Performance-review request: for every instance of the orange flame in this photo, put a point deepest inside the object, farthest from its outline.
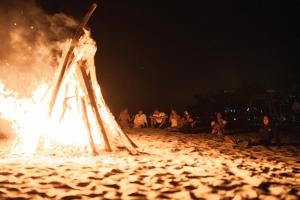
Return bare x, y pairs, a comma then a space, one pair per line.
36, 130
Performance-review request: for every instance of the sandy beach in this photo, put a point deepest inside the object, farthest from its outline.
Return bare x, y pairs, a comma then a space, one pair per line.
169, 165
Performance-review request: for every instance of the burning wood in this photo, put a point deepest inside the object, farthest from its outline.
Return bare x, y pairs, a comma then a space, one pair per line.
92, 98
69, 56
73, 111
86, 121
86, 86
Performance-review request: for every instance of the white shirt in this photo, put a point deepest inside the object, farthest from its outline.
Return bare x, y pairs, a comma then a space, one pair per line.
174, 122
140, 119
159, 117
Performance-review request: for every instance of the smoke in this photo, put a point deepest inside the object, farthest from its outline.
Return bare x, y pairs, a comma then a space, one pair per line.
31, 44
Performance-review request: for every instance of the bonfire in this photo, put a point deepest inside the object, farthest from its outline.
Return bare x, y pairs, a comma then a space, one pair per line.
69, 112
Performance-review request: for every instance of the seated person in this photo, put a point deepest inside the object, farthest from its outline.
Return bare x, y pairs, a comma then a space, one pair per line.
175, 120
124, 119
265, 136
266, 132
218, 126
158, 119
140, 120
187, 120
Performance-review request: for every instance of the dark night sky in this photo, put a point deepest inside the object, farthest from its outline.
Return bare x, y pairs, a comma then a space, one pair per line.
161, 53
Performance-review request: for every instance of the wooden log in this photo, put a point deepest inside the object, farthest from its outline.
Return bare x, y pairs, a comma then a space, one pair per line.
129, 140
92, 98
69, 57
77, 98
65, 104
87, 124
88, 79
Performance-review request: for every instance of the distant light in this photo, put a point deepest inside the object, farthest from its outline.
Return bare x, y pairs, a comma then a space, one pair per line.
248, 109
15, 24
234, 119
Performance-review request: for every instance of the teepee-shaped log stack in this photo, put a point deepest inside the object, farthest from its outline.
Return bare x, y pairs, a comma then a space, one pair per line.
86, 78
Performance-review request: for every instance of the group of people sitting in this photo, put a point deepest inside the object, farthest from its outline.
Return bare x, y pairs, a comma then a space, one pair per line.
160, 119
174, 121
157, 120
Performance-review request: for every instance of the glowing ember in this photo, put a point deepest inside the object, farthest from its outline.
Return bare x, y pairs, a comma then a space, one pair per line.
72, 122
